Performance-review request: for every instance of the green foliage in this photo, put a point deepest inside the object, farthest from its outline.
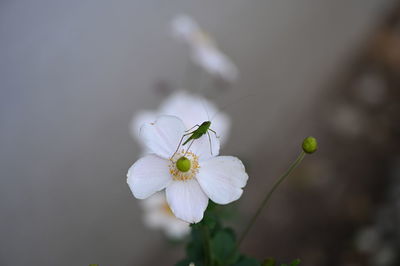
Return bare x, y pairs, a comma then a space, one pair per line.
223, 247
269, 262
272, 262
295, 262
212, 244
245, 261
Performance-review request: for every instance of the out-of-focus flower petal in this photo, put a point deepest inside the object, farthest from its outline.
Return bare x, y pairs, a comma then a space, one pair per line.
194, 110
184, 27
215, 62
157, 215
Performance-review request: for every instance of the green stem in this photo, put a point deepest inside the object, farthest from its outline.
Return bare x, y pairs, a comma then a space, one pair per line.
268, 196
206, 246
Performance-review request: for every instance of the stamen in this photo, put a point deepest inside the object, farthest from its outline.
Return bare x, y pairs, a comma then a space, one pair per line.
184, 166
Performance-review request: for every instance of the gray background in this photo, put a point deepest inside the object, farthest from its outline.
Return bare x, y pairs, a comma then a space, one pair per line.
74, 72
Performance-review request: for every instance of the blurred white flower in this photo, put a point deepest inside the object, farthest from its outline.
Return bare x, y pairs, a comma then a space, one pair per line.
158, 215
368, 240
371, 88
206, 175
348, 121
190, 108
204, 51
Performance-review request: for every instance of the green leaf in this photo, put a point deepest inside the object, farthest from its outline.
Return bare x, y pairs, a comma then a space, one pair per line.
295, 262
194, 249
223, 247
247, 262
269, 262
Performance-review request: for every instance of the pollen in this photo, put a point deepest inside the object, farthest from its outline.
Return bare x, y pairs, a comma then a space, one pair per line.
184, 166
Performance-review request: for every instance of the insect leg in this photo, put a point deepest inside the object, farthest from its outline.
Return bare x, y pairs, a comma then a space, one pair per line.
197, 125
180, 142
209, 139
215, 133
190, 145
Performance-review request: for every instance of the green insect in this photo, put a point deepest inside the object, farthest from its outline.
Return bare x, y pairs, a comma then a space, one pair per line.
201, 130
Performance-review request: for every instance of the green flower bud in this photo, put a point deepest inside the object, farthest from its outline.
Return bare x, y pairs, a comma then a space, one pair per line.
310, 145
183, 164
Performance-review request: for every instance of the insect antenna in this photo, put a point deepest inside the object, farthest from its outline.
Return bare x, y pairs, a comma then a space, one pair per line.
205, 108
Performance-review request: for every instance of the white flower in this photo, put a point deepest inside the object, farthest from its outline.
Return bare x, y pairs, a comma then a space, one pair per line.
158, 215
205, 52
220, 178
191, 109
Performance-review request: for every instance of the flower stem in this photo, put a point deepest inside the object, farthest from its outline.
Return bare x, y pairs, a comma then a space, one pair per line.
206, 246
269, 194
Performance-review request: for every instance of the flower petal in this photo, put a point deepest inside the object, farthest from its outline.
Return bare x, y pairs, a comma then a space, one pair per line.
148, 175
222, 178
215, 62
176, 229
193, 109
162, 137
205, 147
139, 119
221, 124
187, 200
184, 27
190, 108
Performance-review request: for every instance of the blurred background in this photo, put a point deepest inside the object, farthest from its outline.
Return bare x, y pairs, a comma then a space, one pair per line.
73, 73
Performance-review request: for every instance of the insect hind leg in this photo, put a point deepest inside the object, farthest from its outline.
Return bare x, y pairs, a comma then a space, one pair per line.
213, 131
197, 125
190, 145
209, 139
179, 145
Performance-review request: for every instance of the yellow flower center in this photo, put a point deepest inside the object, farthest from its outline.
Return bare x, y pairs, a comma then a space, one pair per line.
184, 166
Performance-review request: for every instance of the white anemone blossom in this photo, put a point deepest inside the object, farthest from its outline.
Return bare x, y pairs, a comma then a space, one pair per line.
189, 176
158, 215
204, 51
192, 109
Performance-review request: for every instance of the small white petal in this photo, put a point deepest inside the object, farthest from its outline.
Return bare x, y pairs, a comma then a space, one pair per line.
187, 200
222, 178
148, 175
162, 137
184, 27
205, 147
